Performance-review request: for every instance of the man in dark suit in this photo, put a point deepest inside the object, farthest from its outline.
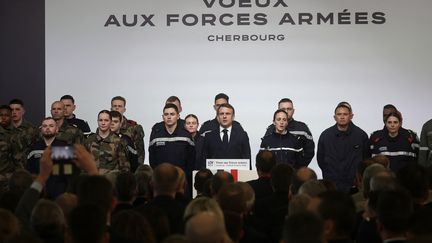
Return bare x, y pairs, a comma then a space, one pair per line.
264, 163
227, 142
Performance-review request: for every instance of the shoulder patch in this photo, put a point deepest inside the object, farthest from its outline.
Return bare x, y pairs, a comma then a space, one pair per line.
376, 139
410, 138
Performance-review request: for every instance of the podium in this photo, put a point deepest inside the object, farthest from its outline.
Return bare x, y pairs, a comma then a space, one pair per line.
239, 169
228, 164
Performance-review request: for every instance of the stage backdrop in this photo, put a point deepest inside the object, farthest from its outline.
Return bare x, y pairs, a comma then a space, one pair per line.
317, 53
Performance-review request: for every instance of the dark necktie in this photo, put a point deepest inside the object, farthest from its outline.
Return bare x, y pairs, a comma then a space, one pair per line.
225, 137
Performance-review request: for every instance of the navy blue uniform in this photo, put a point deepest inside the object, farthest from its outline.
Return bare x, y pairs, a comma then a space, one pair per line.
176, 148
340, 152
301, 131
286, 148
36, 152
401, 150
132, 152
238, 145
79, 123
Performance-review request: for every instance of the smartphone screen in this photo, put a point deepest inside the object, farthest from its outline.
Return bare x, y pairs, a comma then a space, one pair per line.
62, 153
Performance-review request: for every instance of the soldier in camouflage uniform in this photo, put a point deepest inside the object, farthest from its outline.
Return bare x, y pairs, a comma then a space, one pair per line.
116, 121
7, 147
66, 133
129, 127
108, 149
26, 133
425, 154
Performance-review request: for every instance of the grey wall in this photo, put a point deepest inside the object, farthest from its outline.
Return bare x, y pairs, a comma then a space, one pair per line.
22, 55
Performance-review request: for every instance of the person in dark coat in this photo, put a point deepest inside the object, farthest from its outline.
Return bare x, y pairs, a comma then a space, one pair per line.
227, 142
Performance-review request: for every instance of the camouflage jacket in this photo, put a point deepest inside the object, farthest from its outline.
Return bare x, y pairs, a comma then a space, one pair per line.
25, 135
136, 133
70, 134
425, 154
109, 153
8, 147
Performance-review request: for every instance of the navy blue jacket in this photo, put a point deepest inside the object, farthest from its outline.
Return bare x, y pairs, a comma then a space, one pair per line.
287, 148
36, 152
79, 123
339, 154
401, 150
302, 132
176, 148
132, 152
238, 146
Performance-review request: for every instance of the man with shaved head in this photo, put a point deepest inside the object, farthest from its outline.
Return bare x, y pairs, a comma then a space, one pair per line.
66, 132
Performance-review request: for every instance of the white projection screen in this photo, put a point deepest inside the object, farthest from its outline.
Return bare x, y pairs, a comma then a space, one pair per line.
316, 52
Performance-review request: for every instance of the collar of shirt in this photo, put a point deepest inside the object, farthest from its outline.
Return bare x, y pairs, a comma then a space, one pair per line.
221, 133
174, 132
107, 139
339, 133
280, 134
